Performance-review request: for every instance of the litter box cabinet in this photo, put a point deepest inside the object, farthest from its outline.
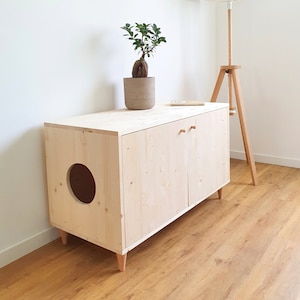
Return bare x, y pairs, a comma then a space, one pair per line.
115, 178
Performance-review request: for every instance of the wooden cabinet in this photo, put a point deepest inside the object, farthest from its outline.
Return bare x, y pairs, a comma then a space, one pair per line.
116, 178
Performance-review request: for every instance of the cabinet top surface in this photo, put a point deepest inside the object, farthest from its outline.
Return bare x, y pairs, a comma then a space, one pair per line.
124, 121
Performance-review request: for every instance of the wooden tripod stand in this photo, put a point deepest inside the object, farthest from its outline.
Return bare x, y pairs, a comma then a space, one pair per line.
233, 79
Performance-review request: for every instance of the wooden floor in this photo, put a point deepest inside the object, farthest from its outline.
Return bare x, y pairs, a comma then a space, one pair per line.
246, 246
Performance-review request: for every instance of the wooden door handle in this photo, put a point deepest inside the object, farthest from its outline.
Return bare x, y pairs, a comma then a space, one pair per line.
193, 127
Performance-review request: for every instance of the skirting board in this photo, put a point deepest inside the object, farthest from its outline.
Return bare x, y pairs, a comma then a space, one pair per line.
268, 159
28, 245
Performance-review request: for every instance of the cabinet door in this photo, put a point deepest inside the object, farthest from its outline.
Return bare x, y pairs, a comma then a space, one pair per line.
154, 178
209, 155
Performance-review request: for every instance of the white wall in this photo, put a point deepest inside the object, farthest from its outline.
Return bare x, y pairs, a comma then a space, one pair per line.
68, 57
266, 44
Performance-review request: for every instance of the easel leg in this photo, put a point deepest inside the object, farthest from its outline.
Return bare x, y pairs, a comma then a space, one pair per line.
230, 94
218, 86
240, 108
121, 261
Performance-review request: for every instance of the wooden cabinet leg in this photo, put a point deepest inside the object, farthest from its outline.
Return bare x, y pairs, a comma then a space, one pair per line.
220, 193
63, 236
121, 261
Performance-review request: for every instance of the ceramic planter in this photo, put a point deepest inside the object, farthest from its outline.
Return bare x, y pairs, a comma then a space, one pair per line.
139, 92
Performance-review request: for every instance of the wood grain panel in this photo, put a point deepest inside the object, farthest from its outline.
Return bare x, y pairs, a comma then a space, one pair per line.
155, 178
100, 221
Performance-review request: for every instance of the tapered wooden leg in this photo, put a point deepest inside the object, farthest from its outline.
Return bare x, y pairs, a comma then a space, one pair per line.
241, 114
63, 236
121, 261
220, 193
232, 109
218, 85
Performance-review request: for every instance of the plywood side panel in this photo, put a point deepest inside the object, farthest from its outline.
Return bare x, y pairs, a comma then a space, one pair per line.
100, 221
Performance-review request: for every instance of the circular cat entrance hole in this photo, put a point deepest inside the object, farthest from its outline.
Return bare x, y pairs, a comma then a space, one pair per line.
82, 183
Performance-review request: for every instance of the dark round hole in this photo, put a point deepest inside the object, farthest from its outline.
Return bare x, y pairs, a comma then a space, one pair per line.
82, 183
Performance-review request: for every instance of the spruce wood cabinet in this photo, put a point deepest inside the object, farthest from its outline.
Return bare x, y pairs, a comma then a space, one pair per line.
115, 178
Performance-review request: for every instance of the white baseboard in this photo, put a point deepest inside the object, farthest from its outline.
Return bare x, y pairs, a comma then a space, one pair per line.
268, 159
26, 246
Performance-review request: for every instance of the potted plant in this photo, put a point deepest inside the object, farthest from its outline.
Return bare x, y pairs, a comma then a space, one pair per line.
139, 90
